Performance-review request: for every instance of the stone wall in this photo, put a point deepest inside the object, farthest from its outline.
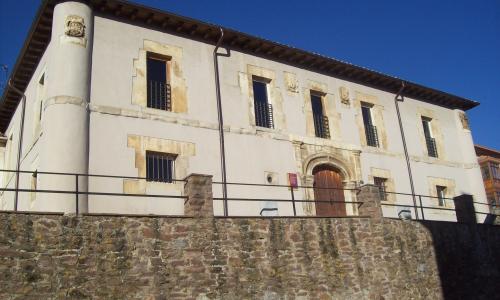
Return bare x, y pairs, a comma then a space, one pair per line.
110, 257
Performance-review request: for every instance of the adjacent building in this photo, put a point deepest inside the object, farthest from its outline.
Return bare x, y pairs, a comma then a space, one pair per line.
121, 89
489, 161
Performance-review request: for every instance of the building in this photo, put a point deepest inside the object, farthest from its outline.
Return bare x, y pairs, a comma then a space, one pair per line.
489, 161
121, 89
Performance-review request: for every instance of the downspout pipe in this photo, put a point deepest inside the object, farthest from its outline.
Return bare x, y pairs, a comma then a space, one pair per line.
221, 123
400, 98
20, 142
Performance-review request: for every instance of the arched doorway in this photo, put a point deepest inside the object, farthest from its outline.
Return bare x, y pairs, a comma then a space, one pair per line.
328, 189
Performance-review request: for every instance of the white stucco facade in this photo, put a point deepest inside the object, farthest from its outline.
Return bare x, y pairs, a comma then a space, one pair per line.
92, 122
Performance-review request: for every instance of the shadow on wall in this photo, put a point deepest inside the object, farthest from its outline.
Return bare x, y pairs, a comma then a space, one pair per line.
465, 253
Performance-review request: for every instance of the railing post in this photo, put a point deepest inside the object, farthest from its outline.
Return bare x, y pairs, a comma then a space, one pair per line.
293, 201
370, 196
76, 194
199, 201
421, 206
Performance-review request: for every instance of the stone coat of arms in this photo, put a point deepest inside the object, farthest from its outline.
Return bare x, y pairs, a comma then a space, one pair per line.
74, 26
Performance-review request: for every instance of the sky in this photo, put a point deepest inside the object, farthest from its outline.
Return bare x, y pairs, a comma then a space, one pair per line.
453, 46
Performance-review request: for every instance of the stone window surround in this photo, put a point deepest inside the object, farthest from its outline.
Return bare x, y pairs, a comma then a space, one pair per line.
436, 133
433, 182
389, 181
377, 118
177, 81
329, 109
142, 144
274, 96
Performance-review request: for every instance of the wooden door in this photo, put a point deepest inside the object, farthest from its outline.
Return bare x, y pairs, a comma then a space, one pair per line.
325, 178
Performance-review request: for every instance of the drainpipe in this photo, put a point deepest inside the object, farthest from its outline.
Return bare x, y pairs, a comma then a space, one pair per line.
20, 143
400, 98
221, 123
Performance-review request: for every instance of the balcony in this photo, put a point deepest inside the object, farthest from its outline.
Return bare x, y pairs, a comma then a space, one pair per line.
321, 126
159, 95
431, 147
371, 135
264, 115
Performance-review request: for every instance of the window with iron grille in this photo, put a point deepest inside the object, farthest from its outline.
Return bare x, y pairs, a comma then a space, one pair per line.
381, 183
263, 109
441, 194
158, 83
370, 129
429, 140
159, 166
321, 126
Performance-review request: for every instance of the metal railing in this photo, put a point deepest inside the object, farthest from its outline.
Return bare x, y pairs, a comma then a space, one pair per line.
264, 114
77, 192
371, 135
321, 126
159, 95
427, 207
424, 209
431, 146
293, 192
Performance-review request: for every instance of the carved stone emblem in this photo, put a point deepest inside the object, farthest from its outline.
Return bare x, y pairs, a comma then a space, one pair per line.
344, 95
74, 26
292, 84
465, 120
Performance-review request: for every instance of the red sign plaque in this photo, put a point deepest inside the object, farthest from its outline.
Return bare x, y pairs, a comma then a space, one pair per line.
292, 180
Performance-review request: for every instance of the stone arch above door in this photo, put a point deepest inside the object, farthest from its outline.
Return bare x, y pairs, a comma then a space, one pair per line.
346, 161
326, 159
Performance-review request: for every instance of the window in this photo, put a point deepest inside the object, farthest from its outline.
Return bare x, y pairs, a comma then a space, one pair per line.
429, 140
441, 194
495, 171
263, 109
370, 130
41, 86
381, 183
158, 82
321, 127
485, 171
159, 166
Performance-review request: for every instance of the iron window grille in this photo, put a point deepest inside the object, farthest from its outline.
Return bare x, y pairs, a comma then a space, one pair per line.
159, 167
380, 183
371, 135
264, 114
431, 147
441, 194
159, 95
321, 126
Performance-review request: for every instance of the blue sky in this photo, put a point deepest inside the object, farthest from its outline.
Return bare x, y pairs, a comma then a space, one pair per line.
453, 46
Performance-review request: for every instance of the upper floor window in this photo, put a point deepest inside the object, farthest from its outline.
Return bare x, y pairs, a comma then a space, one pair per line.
381, 183
159, 166
485, 171
370, 129
441, 194
321, 126
41, 94
495, 171
263, 109
158, 82
429, 139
